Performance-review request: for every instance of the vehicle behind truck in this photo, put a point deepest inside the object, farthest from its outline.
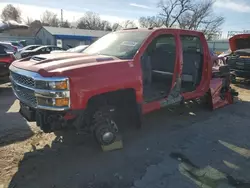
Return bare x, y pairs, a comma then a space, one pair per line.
6, 58
238, 57
8, 52
121, 76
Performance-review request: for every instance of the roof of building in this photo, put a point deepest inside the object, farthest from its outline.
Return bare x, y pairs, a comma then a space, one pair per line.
74, 31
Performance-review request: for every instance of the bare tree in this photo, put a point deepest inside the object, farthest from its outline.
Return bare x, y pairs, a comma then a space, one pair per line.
171, 10
151, 21
93, 21
201, 17
28, 21
116, 27
50, 19
65, 24
106, 26
11, 13
193, 15
127, 24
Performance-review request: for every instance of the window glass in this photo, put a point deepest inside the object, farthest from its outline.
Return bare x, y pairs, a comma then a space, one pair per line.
162, 53
191, 44
42, 50
48, 49
122, 44
166, 43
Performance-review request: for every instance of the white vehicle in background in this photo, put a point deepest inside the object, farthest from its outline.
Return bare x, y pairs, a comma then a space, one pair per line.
9, 48
77, 49
30, 47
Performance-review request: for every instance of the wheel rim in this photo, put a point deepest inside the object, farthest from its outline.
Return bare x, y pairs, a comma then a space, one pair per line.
108, 137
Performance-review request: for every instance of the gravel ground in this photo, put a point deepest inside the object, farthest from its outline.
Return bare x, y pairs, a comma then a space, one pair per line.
188, 147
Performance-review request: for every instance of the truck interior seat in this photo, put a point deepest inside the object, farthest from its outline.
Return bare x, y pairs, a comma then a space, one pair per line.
192, 63
163, 62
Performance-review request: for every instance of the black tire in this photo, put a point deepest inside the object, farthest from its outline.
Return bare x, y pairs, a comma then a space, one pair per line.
104, 125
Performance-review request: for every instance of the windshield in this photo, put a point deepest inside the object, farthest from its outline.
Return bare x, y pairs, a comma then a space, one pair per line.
123, 44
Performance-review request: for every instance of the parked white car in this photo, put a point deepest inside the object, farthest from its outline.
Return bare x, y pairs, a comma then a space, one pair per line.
77, 49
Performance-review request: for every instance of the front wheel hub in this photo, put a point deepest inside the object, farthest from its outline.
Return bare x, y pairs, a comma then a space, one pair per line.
106, 132
108, 137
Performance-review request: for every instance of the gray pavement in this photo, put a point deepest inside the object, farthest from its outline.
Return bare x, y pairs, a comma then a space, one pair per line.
189, 147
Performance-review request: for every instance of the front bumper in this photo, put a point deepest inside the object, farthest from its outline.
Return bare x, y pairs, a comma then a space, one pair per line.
240, 73
32, 108
50, 121
27, 112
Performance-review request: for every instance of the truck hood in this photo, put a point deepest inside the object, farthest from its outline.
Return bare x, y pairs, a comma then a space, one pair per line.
239, 42
59, 62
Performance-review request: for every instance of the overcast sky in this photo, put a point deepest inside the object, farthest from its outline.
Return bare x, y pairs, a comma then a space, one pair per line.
236, 12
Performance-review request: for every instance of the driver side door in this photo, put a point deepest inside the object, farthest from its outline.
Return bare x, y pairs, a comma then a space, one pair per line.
165, 59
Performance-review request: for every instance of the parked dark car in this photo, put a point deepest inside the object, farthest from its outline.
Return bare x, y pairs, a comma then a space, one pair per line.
7, 55
39, 50
6, 58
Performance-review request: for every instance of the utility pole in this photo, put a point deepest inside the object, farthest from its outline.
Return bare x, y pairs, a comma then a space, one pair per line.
61, 16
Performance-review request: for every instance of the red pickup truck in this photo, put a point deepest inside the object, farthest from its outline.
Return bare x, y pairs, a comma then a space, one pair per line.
124, 74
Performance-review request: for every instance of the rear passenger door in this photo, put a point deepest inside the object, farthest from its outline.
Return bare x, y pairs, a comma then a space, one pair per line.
192, 62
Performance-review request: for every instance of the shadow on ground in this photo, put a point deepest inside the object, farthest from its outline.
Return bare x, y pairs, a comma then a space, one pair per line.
208, 176
77, 161
13, 127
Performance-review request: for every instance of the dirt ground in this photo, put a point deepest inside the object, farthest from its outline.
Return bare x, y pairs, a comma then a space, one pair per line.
185, 147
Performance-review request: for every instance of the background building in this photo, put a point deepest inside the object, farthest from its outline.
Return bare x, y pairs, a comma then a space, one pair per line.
67, 36
219, 46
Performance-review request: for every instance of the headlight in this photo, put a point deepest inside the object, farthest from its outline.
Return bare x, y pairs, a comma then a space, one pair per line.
53, 93
61, 85
53, 102
52, 85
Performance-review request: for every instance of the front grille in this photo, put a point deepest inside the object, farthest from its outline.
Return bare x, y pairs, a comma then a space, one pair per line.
21, 79
25, 95
239, 63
